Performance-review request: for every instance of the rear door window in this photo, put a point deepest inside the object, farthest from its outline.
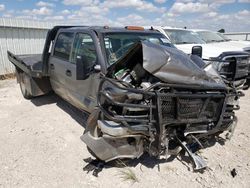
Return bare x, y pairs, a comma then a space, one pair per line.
63, 45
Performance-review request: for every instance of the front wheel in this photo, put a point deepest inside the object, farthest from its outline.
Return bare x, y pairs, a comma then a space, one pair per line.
93, 129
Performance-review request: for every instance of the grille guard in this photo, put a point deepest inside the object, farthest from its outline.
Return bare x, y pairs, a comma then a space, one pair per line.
154, 108
237, 68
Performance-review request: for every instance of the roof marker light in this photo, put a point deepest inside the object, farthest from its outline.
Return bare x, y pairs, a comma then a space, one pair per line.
134, 28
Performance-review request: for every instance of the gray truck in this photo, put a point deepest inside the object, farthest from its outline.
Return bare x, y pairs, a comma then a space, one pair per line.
142, 94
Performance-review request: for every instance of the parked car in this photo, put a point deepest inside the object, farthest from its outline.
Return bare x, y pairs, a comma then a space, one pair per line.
143, 95
227, 58
222, 40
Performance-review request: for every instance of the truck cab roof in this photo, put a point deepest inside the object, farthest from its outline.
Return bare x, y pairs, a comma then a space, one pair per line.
107, 29
101, 35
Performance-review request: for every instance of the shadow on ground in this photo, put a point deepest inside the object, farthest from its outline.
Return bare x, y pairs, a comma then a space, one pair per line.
97, 166
79, 116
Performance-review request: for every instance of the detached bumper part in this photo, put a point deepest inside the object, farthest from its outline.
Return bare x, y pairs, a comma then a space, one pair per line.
198, 161
112, 128
107, 150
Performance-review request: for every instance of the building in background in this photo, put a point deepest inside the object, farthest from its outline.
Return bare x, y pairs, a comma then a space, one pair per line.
20, 37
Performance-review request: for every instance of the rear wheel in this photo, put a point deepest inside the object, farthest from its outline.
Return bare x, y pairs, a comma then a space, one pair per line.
22, 77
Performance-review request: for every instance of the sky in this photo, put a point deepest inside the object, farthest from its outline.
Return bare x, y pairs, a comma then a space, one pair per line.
232, 15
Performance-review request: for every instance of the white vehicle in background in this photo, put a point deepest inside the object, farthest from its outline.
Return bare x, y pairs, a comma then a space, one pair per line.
225, 57
222, 40
184, 40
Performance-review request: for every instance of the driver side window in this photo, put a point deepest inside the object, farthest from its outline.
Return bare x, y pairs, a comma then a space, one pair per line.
84, 47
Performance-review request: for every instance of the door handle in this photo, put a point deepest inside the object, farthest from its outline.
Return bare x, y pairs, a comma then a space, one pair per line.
68, 73
52, 66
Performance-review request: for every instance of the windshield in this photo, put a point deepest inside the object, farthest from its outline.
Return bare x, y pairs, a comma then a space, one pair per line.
117, 44
183, 37
223, 36
209, 36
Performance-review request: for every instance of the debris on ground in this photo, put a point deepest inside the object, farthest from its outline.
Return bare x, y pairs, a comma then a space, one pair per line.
233, 172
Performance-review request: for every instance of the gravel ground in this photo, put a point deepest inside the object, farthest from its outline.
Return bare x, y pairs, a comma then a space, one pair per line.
40, 147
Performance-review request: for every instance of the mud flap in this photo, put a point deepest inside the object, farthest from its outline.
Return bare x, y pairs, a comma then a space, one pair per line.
198, 161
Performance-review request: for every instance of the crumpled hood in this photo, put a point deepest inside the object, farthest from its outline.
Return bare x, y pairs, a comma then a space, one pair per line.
170, 65
210, 49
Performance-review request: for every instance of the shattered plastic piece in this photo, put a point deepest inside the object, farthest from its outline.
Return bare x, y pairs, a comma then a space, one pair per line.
233, 172
199, 162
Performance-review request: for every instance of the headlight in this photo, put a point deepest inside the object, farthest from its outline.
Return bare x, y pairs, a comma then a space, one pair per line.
217, 65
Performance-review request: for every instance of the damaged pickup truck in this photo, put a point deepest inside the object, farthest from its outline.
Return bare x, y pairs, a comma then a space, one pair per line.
143, 95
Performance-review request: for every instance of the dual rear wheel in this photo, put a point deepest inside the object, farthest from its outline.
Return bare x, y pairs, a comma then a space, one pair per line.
23, 84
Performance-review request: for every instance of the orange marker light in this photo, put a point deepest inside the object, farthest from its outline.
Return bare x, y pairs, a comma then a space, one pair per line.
134, 28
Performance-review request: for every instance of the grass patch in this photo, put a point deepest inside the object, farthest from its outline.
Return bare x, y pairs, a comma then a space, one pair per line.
126, 174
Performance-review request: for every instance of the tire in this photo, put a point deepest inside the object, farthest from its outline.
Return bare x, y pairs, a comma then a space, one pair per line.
26, 94
93, 129
92, 123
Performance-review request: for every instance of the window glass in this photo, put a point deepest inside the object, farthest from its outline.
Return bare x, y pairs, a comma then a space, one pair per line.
209, 36
84, 47
223, 36
183, 37
117, 44
63, 45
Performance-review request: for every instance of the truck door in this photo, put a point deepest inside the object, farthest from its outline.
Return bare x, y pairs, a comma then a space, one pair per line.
58, 62
82, 93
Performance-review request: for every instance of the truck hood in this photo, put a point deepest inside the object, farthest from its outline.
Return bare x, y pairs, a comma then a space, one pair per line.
210, 49
234, 45
245, 45
168, 64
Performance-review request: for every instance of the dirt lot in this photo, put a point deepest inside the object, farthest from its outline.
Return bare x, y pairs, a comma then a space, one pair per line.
40, 147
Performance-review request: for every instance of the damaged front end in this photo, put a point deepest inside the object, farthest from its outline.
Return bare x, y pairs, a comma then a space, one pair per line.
157, 100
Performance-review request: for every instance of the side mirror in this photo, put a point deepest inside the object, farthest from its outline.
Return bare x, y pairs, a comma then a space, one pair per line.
81, 69
197, 50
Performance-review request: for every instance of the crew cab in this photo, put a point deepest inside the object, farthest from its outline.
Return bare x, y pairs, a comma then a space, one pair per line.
143, 94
